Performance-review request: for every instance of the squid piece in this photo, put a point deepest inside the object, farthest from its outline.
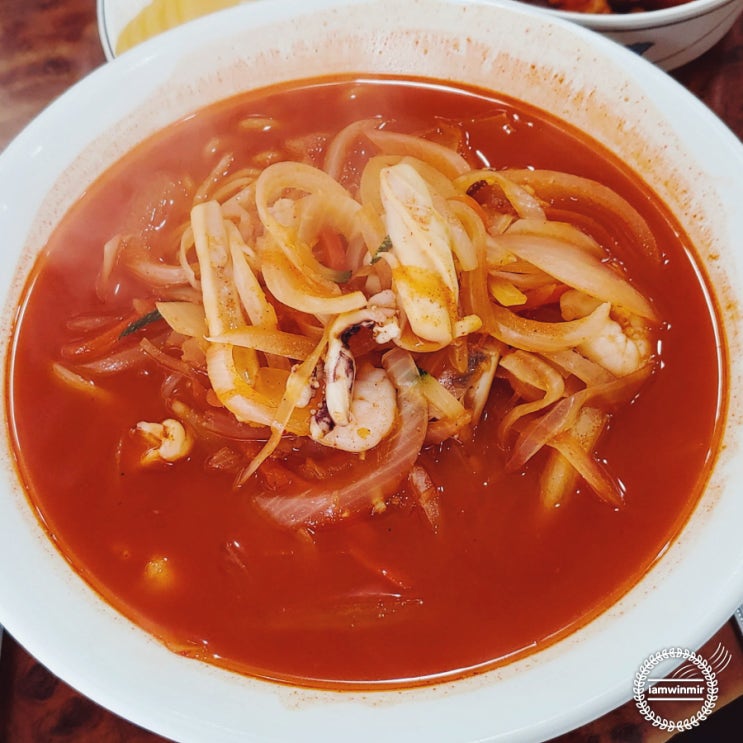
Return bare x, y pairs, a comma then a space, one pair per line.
340, 367
222, 305
359, 409
423, 270
223, 310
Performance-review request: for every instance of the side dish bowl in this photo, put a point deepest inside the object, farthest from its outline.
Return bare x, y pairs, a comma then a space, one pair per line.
662, 133
125, 23
669, 37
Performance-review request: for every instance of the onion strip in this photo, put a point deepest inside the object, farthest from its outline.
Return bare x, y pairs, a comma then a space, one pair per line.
545, 337
557, 187
444, 159
559, 476
575, 267
268, 340
602, 483
525, 204
540, 375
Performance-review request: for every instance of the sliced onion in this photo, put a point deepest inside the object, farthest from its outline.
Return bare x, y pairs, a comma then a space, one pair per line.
426, 494
372, 229
90, 323
369, 182
165, 359
339, 210
77, 381
185, 246
240, 398
470, 244
442, 403
297, 383
560, 418
219, 295
538, 374
473, 290
523, 202
523, 276
401, 368
218, 422
444, 159
358, 610
269, 340
558, 478
217, 173
541, 430
111, 250
185, 318
180, 294
575, 267
487, 356
589, 372
597, 476
233, 184
114, 363
295, 289
242, 201
496, 254
105, 341
156, 273
609, 395
556, 230
337, 150
563, 188
546, 337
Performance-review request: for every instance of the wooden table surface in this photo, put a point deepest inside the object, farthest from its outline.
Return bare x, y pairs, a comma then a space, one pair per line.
45, 47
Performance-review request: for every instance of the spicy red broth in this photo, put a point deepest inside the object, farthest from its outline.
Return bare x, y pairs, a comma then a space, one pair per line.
387, 595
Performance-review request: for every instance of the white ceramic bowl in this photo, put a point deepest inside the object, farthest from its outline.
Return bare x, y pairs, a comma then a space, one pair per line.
670, 37
676, 144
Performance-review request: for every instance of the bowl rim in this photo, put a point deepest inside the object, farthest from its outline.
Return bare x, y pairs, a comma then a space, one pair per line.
104, 32
647, 20
70, 653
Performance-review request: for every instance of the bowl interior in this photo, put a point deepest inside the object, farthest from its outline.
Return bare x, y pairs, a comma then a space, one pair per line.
579, 77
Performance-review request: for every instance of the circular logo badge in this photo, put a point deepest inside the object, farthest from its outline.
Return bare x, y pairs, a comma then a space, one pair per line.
694, 681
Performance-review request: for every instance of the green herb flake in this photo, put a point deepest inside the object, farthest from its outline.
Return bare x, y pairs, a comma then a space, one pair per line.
141, 322
384, 247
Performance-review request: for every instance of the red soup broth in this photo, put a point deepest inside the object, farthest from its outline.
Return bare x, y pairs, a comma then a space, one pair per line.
383, 598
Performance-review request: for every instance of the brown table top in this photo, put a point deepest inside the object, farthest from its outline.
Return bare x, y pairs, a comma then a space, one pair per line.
45, 47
